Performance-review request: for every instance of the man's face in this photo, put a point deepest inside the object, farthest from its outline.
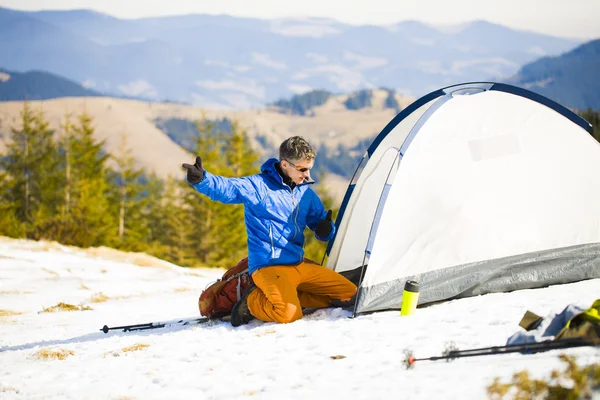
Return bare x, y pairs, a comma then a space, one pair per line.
297, 170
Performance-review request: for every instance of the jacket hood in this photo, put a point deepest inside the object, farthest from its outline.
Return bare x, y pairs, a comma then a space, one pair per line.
268, 168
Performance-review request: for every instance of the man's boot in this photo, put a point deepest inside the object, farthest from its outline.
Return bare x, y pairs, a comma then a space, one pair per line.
240, 313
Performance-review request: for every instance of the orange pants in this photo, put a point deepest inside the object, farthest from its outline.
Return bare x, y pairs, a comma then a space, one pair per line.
283, 290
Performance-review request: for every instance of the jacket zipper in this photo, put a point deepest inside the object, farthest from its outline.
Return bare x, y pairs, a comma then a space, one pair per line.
272, 241
296, 227
295, 217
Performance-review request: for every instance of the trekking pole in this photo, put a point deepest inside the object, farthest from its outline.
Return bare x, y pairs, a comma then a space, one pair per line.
156, 325
525, 348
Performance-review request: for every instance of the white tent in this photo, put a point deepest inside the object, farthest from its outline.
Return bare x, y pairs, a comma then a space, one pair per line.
472, 189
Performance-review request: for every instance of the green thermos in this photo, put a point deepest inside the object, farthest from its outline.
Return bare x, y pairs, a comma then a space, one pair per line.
410, 298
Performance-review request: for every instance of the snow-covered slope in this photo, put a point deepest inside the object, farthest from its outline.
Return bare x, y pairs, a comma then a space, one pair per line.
259, 360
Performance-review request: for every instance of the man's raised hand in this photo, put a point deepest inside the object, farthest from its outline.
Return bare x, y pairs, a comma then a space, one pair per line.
195, 173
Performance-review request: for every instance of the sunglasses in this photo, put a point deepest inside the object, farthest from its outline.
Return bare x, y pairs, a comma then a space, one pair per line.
299, 168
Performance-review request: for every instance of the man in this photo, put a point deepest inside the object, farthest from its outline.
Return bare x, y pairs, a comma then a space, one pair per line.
278, 205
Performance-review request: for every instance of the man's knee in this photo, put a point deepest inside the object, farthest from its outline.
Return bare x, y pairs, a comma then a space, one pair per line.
348, 291
286, 312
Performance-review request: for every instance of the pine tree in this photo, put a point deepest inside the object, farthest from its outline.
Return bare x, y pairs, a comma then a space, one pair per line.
127, 200
171, 234
31, 172
10, 225
59, 224
66, 149
593, 117
203, 211
15, 180
50, 176
89, 208
155, 212
228, 228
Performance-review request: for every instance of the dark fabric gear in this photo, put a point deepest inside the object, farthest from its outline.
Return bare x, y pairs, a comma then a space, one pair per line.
286, 179
195, 173
240, 314
344, 303
324, 226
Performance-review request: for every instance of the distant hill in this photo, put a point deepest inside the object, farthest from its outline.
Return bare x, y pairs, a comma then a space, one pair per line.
339, 148
303, 104
162, 135
38, 85
572, 79
218, 61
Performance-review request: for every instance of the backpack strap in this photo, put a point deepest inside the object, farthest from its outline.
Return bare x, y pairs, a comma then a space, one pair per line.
239, 283
237, 275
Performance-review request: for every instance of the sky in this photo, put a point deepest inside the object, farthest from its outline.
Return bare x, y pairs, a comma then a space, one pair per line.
573, 18
323, 353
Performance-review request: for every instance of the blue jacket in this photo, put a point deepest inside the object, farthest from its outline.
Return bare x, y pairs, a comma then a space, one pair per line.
275, 215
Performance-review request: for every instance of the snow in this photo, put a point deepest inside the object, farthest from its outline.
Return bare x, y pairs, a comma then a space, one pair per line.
258, 360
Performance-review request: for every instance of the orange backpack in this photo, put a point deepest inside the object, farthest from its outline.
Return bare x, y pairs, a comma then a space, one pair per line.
217, 300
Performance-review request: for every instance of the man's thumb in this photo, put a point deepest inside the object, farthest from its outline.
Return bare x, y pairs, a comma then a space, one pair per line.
328, 217
198, 164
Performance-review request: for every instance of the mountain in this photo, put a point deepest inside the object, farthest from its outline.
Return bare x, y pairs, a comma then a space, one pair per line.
39, 85
572, 79
229, 62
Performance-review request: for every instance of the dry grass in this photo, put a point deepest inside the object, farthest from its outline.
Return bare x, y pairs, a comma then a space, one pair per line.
83, 287
6, 389
183, 289
53, 246
129, 296
66, 307
99, 298
144, 260
139, 259
266, 332
10, 292
135, 347
337, 357
575, 381
47, 354
8, 313
50, 271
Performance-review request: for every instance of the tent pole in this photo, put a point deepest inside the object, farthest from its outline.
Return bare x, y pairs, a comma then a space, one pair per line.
362, 274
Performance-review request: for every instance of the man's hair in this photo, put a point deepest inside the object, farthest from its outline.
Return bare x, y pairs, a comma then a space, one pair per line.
296, 148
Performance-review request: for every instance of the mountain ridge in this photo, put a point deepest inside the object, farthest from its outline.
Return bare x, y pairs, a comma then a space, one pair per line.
39, 85
230, 62
571, 79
